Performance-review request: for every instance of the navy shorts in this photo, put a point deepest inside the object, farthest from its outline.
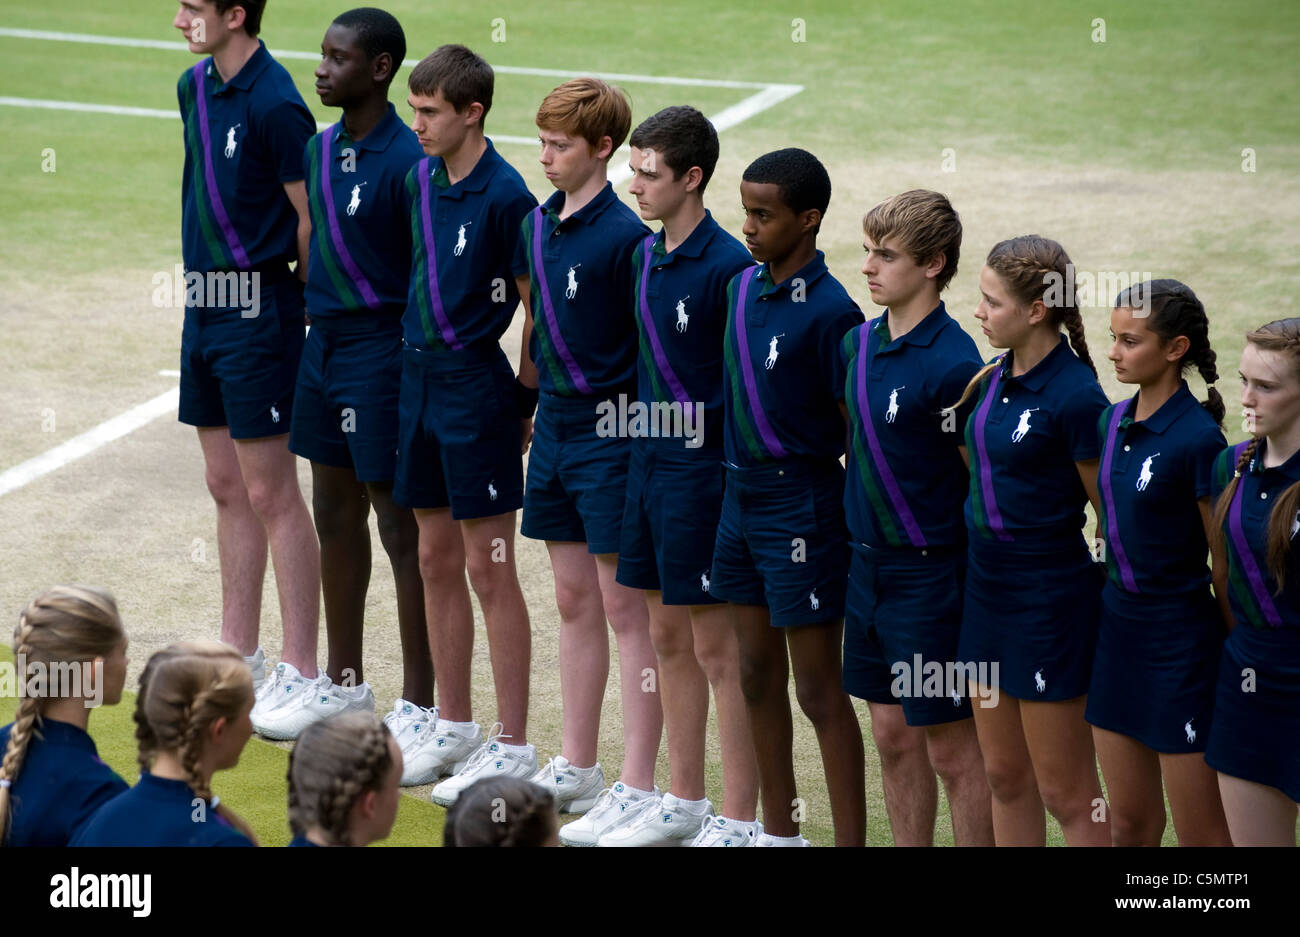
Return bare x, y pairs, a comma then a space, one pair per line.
902, 622
240, 372
670, 521
577, 480
1257, 708
1156, 667
1033, 615
345, 404
458, 433
782, 542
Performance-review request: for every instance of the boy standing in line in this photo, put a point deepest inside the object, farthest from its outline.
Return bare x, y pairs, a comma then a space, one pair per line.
782, 549
244, 212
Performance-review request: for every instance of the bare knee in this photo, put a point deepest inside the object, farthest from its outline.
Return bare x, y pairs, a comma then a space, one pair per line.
440, 562
226, 485
894, 738
1009, 781
488, 570
820, 700
671, 637
760, 675
1136, 827
577, 602
397, 530
338, 515
1066, 800
954, 756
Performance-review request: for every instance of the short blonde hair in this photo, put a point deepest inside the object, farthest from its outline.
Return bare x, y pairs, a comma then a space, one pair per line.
587, 108
925, 224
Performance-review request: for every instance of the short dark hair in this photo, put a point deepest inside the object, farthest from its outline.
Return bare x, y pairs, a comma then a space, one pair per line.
800, 176
253, 10
682, 137
377, 32
461, 75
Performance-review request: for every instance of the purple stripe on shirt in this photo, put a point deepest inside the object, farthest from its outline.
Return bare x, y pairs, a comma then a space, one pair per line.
986, 470
210, 176
877, 456
579, 379
1112, 525
1247, 556
431, 258
354, 272
747, 369
661, 359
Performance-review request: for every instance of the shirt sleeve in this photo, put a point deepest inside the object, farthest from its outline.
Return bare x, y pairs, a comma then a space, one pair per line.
510, 231
1221, 473
88, 796
1079, 418
835, 330
952, 385
1201, 459
286, 128
521, 260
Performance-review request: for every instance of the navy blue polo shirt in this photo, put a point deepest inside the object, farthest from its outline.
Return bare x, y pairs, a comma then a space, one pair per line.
159, 812
1024, 438
906, 479
785, 376
61, 785
301, 840
465, 252
359, 266
584, 339
1252, 589
682, 317
1152, 474
244, 140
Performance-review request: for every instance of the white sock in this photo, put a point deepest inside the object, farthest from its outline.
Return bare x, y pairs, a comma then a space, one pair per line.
516, 749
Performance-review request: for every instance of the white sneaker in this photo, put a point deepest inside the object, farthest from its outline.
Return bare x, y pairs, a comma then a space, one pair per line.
410, 725
438, 748
575, 789
492, 760
356, 698
766, 840
675, 823
720, 831
290, 703
257, 665
617, 806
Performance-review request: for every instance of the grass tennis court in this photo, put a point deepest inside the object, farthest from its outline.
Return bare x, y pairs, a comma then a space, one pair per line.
1168, 148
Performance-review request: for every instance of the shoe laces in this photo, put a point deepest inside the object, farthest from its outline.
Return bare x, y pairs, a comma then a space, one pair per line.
483, 754
397, 721
270, 685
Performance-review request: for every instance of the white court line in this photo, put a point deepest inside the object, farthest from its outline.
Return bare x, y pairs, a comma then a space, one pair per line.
409, 63
86, 443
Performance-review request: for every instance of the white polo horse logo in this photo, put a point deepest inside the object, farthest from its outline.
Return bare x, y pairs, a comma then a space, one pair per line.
1022, 428
230, 141
1144, 479
682, 317
772, 354
356, 199
892, 413
275, 415
1191, 733
704, 581
492, 491
1039, 683
814, 601
572, 291
956, 697
460, 239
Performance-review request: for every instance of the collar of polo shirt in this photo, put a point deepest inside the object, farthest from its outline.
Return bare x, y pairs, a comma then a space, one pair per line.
588, 213
378, 139
1164, 417
810, 273
1036, 378
922, 334
257, 63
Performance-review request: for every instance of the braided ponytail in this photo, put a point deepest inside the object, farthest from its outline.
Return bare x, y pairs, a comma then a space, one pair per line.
335, 762
64, 624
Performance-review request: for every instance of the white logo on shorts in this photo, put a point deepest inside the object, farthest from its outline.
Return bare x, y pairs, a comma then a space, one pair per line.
460, 239
813, 600
492, 492
1144, 479
704, 581
275, 415
230, 141
682, 317
1191, 733
572, 290
1022, 428
892, 413
1039, 683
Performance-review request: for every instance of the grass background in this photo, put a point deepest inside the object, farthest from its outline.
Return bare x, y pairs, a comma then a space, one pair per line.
1128, 151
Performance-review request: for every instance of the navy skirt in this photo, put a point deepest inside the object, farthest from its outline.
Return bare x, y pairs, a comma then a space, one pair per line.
1256, 730
1156, 668
1030, 617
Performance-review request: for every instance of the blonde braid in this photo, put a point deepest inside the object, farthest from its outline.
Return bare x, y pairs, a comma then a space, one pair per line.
20, 735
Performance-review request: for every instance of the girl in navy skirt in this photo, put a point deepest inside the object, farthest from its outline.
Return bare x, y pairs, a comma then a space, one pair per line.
51, 778
1029, 614
345, 778
1161, 633
192, 720
1255, 738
